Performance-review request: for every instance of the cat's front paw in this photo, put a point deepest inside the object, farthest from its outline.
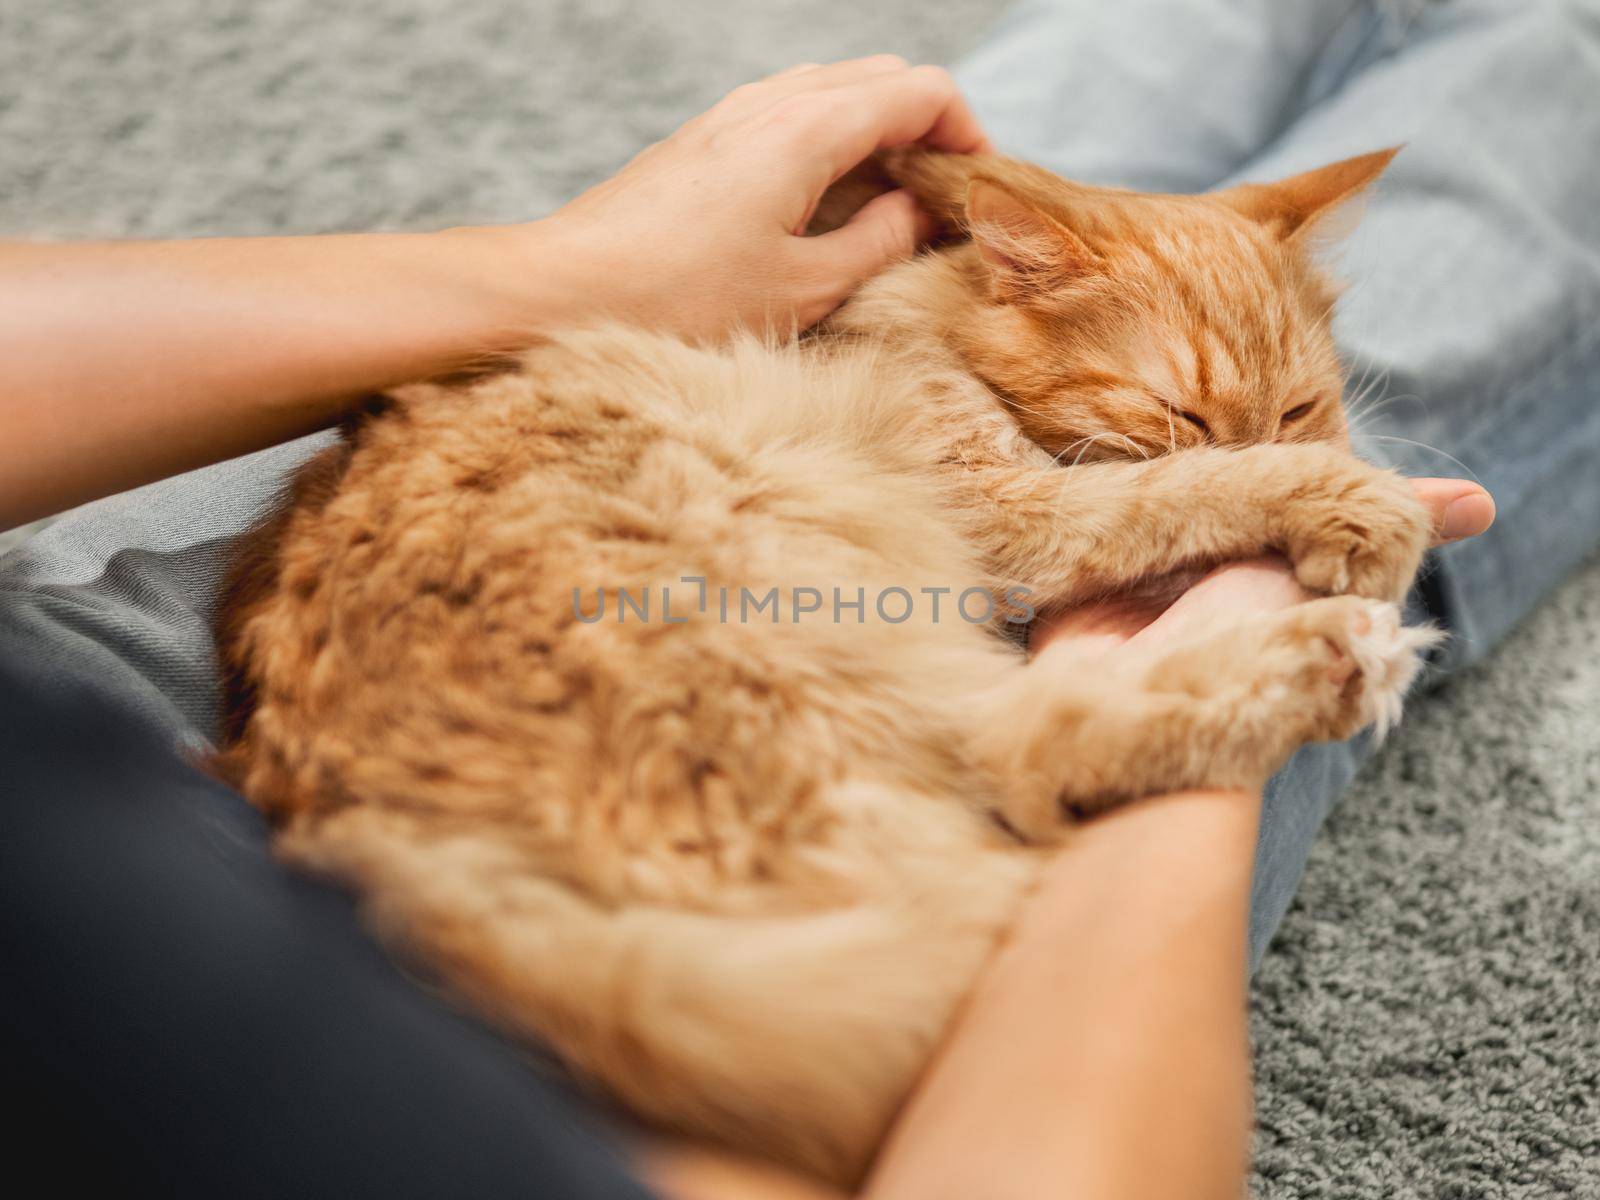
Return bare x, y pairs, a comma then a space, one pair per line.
1368, 657
1363, 533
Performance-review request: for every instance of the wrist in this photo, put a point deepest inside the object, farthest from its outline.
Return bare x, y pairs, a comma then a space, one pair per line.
1174, 853
525, 279
1200, 819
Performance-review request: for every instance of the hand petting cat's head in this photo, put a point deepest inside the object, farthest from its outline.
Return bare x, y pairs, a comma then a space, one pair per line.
1117, 324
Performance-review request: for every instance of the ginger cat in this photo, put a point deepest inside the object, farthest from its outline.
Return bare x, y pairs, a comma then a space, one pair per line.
740, 869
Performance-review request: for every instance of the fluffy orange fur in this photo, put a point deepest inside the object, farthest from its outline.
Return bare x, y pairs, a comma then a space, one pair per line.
740, 873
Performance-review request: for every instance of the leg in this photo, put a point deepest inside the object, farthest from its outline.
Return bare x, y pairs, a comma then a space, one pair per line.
124, 588
1070, 536
1222, 711
1165, 95
187, 1020
1477, 303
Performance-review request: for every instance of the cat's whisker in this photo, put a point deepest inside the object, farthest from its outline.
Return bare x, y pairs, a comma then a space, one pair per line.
1089, 442
1037, 410
1086, 443
1360, 420
1451, 458
1373, 386
1362, 380
1128, 444
1082, 452
1363, 414
1368, 399
1371, 379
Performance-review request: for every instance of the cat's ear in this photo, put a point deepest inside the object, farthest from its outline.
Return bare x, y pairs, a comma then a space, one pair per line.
1028, 252
1319, 199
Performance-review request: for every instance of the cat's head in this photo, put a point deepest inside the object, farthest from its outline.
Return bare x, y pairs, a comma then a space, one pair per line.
1117, 324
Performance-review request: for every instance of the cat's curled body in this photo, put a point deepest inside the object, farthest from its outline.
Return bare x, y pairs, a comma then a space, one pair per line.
741, 870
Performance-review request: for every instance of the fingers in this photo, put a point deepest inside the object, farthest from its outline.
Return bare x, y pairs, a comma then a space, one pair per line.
1460, 508
887, 229
814, 77
805, 77
1101, 626
895, 108
833, 116
1228, 593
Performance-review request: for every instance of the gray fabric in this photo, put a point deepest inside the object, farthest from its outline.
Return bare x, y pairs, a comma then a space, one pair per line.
124, 589
1427, 1021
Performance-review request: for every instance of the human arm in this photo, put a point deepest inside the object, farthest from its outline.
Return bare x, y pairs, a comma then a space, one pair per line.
1104, 1053
121, 363
1109, 1031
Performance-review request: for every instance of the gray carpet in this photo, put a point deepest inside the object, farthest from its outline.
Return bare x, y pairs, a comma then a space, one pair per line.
1427, 1023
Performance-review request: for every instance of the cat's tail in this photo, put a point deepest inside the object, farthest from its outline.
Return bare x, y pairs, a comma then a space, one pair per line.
794, 1036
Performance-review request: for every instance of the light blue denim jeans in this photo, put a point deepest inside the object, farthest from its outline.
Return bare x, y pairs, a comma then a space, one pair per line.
1477, 296
1473, 320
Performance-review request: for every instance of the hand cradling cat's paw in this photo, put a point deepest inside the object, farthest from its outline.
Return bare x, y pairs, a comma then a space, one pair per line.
1363, 533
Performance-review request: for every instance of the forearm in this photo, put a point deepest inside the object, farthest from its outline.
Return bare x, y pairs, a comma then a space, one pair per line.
1104, 1054
124, 362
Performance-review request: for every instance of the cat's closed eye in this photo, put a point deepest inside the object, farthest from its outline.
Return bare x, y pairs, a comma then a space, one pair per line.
1298, 411
1193, 418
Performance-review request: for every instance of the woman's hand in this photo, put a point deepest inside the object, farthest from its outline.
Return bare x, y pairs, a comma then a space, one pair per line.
700, 232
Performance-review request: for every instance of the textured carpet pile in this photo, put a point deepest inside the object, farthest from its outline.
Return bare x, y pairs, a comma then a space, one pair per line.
1428, 1023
